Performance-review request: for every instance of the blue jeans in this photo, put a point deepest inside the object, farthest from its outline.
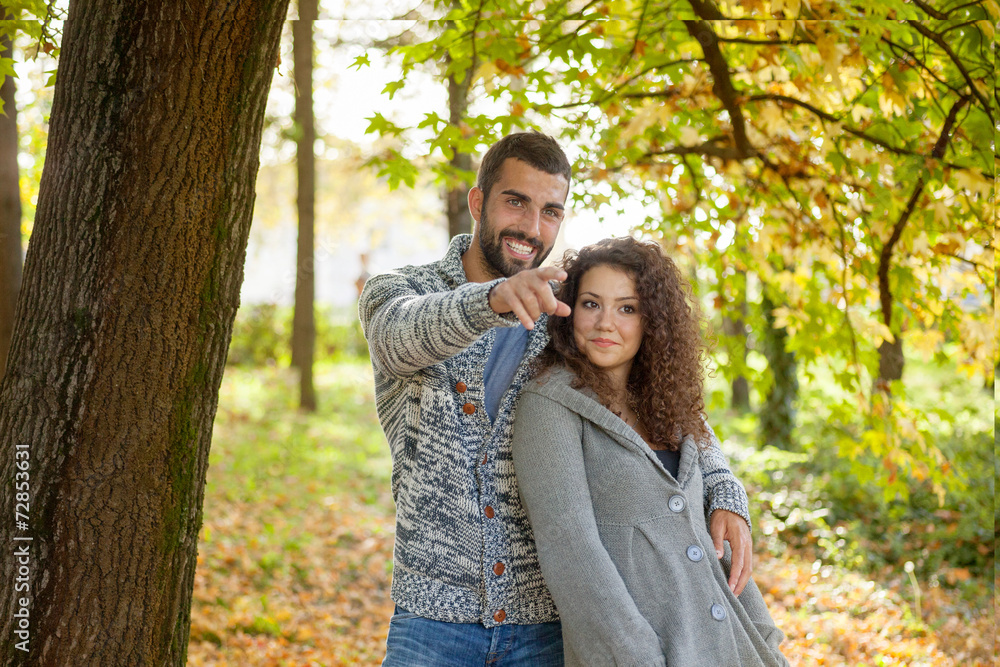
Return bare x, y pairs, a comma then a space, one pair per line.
415, 641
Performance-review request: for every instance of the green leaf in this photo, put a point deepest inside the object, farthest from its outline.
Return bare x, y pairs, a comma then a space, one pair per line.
393, 87
361, 61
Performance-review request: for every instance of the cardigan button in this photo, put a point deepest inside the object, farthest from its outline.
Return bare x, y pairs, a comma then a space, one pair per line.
499, 616
676, 503
485, 456
695, 553
498, 569
489, 512
460, 387
468, 408
718, 612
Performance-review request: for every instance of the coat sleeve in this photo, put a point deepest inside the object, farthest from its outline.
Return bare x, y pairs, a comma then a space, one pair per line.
599, 616
408, 331
722, 490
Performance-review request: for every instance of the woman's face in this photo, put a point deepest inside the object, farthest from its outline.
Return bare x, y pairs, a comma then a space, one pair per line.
607, 325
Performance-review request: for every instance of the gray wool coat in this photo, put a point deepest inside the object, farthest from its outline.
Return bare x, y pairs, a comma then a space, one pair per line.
624, 547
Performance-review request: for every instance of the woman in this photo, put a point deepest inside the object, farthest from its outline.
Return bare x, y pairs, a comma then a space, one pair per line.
607, 450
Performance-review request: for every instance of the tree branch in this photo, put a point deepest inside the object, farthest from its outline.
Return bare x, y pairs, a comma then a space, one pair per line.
765, 42
930, 10
722, 83
885, 257
850, 130
940, 41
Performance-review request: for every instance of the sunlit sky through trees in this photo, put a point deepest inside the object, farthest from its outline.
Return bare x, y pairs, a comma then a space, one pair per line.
393, 229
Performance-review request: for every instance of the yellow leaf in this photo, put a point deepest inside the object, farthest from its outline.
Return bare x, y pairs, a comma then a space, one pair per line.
487, 71
690, 136
870, 328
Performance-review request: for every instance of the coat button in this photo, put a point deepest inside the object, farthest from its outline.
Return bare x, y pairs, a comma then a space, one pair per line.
676, 503
460, 387
718, 612
468, 408
499, 616
498, 569
485, 456
489, 512
695, 553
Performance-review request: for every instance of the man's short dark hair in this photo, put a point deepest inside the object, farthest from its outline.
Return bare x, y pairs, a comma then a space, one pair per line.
534, 148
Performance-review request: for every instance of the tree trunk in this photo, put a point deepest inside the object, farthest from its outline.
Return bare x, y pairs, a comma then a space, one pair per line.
10, 211
304, 319
131, 283
736, 335
456, 199
890, 354
777, 416
459, 219
733, 292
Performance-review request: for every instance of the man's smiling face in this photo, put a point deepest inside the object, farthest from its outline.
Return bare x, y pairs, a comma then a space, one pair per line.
518, 224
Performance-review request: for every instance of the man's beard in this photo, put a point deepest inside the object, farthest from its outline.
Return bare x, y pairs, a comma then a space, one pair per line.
494, 261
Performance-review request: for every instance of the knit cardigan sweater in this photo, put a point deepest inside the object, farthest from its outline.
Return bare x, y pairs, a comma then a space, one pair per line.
464, 551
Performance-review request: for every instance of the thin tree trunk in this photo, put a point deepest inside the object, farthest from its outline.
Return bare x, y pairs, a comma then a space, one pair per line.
777, 415
10, 210
131, 283
459, 220
456, 199
890, 354
304, 319
735, 331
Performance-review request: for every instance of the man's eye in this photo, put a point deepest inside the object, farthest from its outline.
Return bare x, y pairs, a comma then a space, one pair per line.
514, 202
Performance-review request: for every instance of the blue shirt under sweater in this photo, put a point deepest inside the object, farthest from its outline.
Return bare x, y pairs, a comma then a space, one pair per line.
508, 349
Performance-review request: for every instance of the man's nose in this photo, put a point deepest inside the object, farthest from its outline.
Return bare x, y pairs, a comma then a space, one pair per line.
532, 222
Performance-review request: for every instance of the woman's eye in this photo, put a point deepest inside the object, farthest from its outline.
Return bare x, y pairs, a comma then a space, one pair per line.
628, 309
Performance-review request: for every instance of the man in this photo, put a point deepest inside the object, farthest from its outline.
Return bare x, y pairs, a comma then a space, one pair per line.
451, 344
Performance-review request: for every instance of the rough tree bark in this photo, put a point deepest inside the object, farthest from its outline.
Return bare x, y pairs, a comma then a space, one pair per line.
10, 210
304, 318
131, 284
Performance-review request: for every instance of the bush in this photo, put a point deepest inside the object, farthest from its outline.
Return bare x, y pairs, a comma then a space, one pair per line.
833, 506
262, 335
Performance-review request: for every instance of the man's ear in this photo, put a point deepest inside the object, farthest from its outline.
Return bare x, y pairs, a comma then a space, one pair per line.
476, 203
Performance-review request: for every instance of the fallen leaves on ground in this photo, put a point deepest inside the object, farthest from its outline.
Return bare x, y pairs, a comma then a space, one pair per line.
324, 601
294, 572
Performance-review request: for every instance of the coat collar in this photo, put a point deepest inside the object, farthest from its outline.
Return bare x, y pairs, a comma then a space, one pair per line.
556, 384
450, 267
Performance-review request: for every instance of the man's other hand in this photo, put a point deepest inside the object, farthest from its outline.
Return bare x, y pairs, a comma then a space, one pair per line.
726, 525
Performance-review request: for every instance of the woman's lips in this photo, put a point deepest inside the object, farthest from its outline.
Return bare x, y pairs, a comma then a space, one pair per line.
603, 342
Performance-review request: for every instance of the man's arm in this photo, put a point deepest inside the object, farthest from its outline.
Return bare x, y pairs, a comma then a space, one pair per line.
724, 492
408, 331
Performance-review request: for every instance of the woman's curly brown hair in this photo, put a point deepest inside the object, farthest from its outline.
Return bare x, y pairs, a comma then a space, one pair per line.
667, 378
